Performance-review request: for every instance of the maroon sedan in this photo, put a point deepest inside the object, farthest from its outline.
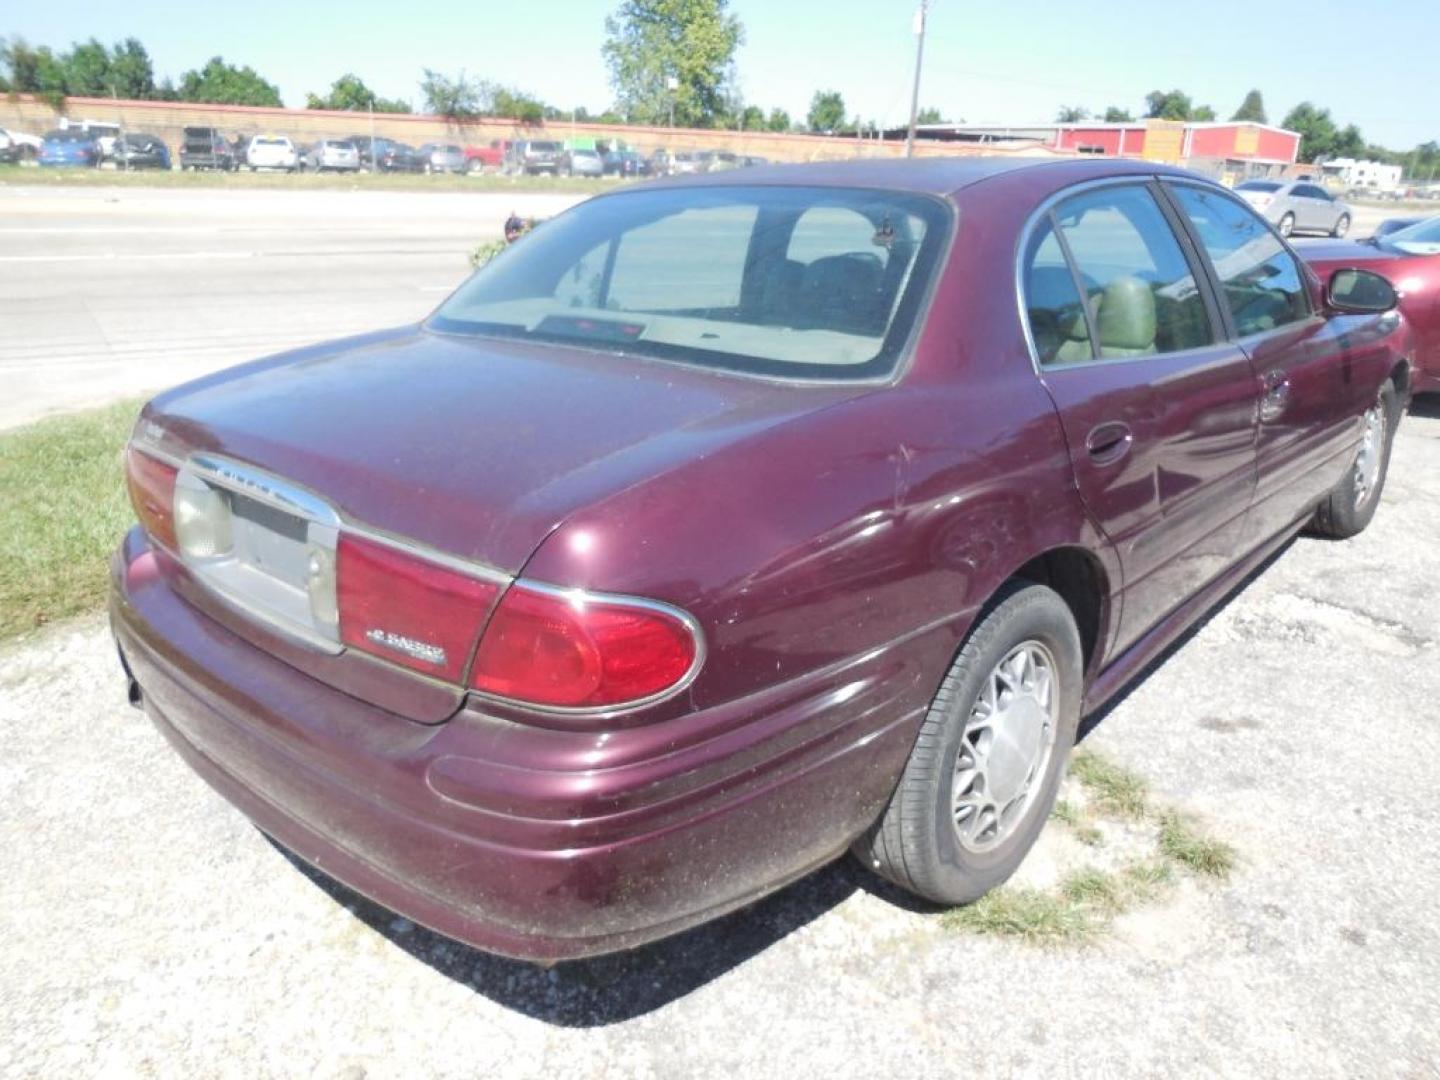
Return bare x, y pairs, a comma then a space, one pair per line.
724, 524
1410, 259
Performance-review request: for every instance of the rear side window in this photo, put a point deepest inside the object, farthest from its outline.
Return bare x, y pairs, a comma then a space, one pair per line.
1261, 281
1140, 289
1052, 302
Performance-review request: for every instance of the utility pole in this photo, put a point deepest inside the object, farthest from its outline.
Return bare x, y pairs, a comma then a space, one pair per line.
915, 92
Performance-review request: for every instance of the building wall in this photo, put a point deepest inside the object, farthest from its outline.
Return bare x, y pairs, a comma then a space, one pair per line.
166, 120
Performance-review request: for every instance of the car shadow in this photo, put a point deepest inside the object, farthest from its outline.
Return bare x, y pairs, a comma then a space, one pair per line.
622, 986
1426, 405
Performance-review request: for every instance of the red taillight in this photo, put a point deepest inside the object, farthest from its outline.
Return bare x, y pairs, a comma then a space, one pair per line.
408, 610
152, 493
574, 651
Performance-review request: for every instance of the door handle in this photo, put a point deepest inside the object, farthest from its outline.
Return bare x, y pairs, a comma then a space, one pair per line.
1276, 396
1109, 442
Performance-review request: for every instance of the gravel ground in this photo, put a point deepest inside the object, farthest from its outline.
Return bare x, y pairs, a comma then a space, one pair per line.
148, 930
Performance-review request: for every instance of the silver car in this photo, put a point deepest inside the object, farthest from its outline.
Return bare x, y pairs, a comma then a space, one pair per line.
441, 158
1294, 206
584, 163
341, 155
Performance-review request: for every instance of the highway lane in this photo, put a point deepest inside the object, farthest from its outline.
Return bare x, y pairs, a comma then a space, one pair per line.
106, 294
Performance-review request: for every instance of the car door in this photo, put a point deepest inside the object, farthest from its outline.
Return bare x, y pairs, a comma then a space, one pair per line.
1311, 400
1159, 410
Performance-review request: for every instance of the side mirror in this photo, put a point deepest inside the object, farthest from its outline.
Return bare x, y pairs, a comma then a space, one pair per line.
1360, 292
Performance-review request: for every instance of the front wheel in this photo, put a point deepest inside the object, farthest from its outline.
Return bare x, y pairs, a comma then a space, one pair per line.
1347, 510
1287, 224
1342, 226
985, 768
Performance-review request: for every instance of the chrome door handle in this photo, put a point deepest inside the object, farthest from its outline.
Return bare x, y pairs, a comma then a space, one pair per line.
1276, 396
1109, 442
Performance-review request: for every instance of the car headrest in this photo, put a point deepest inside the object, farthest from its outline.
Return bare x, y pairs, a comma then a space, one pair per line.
1126, 319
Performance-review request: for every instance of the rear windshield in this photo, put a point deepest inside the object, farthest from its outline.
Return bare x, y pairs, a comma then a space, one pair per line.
1258, 185
544, 147
339, 144
69, 135
821, 283
272, 142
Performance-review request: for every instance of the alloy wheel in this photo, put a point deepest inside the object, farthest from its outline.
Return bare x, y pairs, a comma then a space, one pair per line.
1370, 456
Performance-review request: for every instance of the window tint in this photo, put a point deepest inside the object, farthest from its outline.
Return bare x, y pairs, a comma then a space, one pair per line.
1052, 302
1142, 294
1258, 185
1260, 279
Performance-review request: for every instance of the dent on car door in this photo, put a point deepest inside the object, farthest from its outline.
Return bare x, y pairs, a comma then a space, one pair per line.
1310, 394
1157, 408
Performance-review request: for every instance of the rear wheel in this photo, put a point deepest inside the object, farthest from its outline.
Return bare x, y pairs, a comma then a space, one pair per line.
1342, 226
1348, 509
983, 774
1287, 224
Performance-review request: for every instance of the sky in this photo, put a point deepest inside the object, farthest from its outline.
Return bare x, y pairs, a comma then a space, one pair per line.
1015, 61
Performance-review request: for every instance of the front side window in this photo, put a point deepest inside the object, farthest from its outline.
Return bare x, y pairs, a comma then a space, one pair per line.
1140, 289
1260, 280
792, 281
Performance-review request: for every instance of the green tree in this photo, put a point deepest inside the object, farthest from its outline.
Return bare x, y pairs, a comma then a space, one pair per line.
1202, 112
1116, 115
350, 94
87, 70
1316, 128
513, 105
1252, 108
929, 115
131, 73
672, 53
778, 120
225, 84
827, 112
1071, 114
1348, 143
34, 71
458, 99
1175, 105
753, 118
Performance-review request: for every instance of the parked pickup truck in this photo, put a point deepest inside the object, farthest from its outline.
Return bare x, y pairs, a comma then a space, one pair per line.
487, 158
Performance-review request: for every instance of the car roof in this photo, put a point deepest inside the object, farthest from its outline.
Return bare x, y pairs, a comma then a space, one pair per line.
927, 176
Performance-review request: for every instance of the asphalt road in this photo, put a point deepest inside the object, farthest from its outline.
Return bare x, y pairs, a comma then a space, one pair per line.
149, 930
111, 293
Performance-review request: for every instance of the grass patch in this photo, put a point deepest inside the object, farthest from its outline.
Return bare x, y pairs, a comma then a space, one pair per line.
1183, 843
309, 181
1030, 915
1072, 816
1112, 787
63, 508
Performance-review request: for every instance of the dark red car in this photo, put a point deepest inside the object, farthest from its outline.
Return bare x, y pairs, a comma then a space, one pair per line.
726, 523
1410, 258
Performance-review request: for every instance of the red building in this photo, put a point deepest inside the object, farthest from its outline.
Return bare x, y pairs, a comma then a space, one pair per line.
1228, 145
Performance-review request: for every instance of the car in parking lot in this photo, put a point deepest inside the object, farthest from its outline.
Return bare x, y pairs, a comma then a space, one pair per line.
272, 152
207, 148
136, 150
442, 158
486, 157
727, 523
1297, 206
69, 148
583, 161
534, 157
18, 146
626, 163
337, 155
1409, 257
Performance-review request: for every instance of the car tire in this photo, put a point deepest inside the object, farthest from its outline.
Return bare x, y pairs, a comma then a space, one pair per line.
1348, 509
1342, 226
921, 842
1287, 225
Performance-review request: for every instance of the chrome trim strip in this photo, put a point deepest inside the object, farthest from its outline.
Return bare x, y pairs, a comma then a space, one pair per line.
601, 712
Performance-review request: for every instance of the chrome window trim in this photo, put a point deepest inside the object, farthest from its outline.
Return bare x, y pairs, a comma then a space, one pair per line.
601, 712
1142, 180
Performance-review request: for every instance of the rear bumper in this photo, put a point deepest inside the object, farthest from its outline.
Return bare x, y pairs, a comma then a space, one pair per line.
525, 841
